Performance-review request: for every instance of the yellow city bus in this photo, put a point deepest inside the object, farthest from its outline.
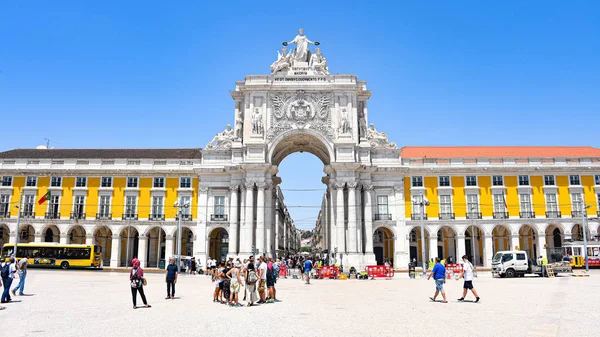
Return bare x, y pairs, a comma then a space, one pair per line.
56, 255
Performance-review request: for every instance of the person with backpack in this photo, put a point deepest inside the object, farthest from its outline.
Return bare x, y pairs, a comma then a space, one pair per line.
136, 279
8, 272
270, 281
251, 279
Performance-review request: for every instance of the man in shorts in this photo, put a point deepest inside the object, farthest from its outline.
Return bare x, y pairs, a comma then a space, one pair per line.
307, 268
439, 275
467, 275
262, 280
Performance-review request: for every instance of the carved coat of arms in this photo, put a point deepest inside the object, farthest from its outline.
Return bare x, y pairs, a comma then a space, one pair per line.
301, 111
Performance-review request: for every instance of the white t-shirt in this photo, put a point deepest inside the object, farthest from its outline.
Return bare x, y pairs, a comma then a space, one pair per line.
468, 271
263, 268
12, 269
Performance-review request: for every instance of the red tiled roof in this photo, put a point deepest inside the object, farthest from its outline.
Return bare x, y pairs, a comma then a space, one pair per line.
499, 151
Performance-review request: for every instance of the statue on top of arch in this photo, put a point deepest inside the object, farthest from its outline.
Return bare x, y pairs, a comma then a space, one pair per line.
379, 139
300, 54
222, 140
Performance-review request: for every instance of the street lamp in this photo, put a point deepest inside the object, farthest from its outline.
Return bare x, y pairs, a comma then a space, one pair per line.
584, 230
472, 208
18, 207
179, 216
423, 202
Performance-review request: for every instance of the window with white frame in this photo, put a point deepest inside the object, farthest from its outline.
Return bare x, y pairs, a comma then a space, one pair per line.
417, 201
574, 180
417, 181
130, 206
185, 182
54, 205
497, 181
444, 181
104, 210
499, 205
523, 180
577, 201
132, 182
219, 205
4, 205
445, 204
55, 181
525, 200
471, 180
80, 182
28, 205
549, 180
473, 204
31, 181
159, 182
185, 200
79, 206
157, 205
382, 205
551, 202
106, 182
6, 181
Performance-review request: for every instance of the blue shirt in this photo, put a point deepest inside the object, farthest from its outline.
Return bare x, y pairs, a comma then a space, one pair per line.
307, 265
171, 271
439, 271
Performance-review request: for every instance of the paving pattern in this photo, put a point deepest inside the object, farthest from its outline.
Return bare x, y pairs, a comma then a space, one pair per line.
97, 303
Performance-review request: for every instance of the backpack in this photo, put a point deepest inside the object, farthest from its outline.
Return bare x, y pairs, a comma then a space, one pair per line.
252, 277
5, 270
275, 271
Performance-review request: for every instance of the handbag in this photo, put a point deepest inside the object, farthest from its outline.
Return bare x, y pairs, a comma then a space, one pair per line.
144, 282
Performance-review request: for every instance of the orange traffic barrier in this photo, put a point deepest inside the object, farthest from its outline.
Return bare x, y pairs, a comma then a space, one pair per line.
380, 272
331, 272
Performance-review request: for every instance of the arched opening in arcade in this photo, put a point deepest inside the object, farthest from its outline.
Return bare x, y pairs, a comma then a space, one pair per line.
474, 245
26, 233
187, 242
51, 233
528, 241
156, 251
577, 233
103, 238
446, 244
218, 244
129, 245
383, 245
501, 237
4, 235
416, 248
76, 235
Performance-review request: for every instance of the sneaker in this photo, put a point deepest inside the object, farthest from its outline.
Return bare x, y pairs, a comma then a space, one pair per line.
270, 301
461, 299
477, 300
14, 292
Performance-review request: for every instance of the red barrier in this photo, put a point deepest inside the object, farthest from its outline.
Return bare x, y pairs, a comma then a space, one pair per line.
455, 268
331, 272
380, 271
282, 271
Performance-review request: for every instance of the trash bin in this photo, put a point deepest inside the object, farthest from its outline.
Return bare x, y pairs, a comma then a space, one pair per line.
161, 264
411, 270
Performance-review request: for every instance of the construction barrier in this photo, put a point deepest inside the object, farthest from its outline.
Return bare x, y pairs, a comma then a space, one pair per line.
454, 268
331, 272
283, 271
380, 272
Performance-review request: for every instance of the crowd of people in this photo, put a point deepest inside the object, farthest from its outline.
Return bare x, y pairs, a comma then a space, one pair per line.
9, 271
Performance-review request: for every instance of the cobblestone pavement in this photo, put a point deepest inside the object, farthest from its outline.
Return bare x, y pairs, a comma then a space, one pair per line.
96, 303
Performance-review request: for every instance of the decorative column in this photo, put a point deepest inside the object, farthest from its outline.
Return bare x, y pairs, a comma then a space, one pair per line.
89, 240
514, 243
460, 247
359, 220
233, 220
352, 239
332, 226
37, 237
143, 240
11, 238
541, 245
368, 218
200, 247
285, 235
339, 217
115, 250
269, 221
433, 247
169, 249
488, 254
63, 239
247, 230
260, 218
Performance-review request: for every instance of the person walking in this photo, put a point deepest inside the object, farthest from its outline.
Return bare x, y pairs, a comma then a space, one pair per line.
22, 271
251, 279
439, 275
136, 278
193, 266
8, 272
307, 268
467, 275
171, 275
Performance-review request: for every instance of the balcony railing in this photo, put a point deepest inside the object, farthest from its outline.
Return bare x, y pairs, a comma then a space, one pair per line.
526, 215
576, 214
553, 214
129, 216
383, 217
184, 217
27, 215
218, 217
156, 217
77, 215
5, 214
418, 216
446, 216
500, 215
52, 215
474, 215
103, 216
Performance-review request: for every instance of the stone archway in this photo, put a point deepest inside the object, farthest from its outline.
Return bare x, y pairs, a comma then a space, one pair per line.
76, 235
446, 246
383, 245
187, 242
51, 233
26, 233
103, 238
528, 241
156, 250
415, 247
554, 236
577, 232
474, 245
4, 235
218, 244
300, 141
501, 238
129, 245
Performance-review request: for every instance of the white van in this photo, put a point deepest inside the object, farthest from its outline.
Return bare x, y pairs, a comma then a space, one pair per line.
510, 263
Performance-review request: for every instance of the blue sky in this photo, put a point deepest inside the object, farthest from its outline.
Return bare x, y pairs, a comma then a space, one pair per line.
158, 74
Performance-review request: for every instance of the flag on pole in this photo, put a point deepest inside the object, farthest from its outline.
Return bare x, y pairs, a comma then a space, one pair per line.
504, 200
44, 198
